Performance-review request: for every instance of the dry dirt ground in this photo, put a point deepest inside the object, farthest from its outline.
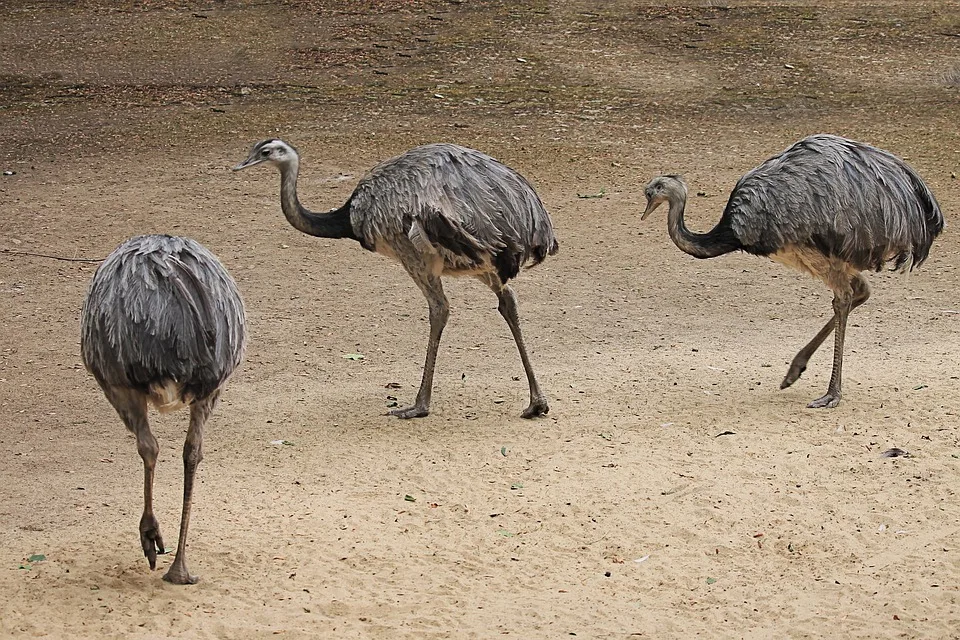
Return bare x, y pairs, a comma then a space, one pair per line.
673, 490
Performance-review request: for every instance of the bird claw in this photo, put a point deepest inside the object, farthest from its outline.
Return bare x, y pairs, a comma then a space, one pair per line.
537, 408
415, 411
178, 574
827, 401
793, 374
150, 539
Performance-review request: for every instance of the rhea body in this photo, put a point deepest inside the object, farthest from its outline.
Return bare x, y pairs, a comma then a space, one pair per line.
439, 210
163, 324
828, 206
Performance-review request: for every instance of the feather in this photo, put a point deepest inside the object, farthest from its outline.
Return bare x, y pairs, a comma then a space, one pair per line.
469, 207
847, 199
161, 310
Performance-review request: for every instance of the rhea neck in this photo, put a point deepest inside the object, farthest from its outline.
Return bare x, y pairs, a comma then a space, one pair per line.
716, 242
333, 224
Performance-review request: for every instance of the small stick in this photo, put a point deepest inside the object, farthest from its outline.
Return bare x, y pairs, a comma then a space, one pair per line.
43, 255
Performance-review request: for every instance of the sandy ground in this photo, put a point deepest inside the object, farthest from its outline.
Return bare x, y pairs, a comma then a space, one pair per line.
673, 490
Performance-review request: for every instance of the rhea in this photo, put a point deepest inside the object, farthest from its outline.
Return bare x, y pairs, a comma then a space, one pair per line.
828, 206
163, 324
439, 210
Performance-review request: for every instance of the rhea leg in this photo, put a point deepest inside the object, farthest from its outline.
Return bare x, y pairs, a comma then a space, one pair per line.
131, 405
192, 455
861, 292
841, 309
509, 310
439, 312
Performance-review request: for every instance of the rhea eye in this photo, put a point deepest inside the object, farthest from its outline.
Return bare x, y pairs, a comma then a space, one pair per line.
265, 152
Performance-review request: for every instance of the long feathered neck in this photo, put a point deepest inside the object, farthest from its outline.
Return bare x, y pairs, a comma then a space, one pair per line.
334, 224
716, 242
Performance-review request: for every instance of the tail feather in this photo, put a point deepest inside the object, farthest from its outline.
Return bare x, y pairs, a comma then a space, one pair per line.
933, 223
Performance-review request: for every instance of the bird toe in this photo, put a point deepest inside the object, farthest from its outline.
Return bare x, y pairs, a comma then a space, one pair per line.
150, 539
793, 374
179, 575
537, 408
827, 401
409, 412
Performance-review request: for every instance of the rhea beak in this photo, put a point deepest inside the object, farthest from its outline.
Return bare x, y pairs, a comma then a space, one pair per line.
249, 162
652, 203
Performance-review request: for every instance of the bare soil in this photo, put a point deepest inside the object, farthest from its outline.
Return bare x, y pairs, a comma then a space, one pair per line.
673, 490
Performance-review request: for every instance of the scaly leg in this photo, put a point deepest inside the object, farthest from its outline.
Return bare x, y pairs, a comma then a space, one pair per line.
508, 309
192, 455
861, 292
439, 312
132, 407
841, 309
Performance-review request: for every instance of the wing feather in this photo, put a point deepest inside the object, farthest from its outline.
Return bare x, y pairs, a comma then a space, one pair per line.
848, 199
461, 201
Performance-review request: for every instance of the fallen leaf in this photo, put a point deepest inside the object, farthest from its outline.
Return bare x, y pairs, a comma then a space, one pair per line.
599, 194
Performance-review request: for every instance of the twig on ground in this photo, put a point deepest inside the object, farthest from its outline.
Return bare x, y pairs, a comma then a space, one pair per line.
44, 255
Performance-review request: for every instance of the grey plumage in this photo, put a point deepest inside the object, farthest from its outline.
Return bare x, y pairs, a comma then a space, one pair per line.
438, 209
829, 206
162, 323
458, 202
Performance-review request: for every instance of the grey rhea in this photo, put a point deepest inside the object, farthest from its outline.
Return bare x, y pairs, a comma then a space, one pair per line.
163, 324
438, 209
828, 206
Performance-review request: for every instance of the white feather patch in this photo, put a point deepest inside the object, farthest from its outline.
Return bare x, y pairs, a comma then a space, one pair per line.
166, 397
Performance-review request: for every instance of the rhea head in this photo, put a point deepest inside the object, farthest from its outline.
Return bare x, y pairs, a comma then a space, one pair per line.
271, 150
663, 189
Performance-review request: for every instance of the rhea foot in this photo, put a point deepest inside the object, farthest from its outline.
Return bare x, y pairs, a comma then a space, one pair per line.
150, 538
793, 374
538, 407
416, 411
826, 401
178, 574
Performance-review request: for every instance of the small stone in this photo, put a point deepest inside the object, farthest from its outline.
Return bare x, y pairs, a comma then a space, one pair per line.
895, 453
